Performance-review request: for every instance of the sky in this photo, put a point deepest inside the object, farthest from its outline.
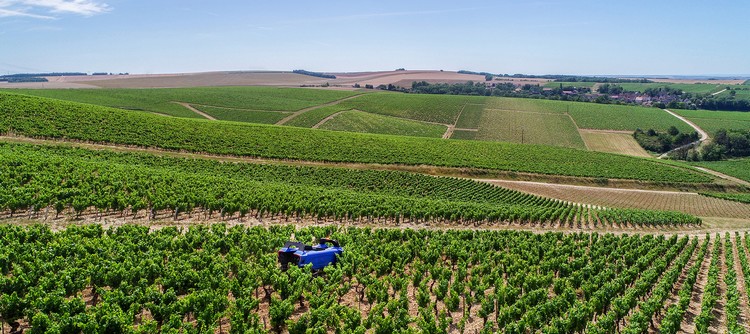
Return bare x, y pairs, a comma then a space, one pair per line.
665, 37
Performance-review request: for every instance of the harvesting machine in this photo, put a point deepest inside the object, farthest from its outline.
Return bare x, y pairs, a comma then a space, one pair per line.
299, 254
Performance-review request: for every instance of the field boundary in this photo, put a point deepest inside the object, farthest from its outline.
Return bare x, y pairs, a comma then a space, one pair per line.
723, 176
191, 108
330, 117
241, 109
304, 110
578, 129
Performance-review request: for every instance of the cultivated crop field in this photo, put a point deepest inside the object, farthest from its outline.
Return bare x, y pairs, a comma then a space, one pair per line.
696, 88
691, 203
739, 168
613, 142
75, 181
595, 116
243, 115
711, 121
471, 116
38, 117
529, 127
162, 100
209, 279
556, 84
360, 121
431, 108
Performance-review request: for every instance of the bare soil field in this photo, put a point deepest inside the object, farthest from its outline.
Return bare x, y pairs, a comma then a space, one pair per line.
612, 142
404, 77
254, 78
45, 85
691, 203
209, 79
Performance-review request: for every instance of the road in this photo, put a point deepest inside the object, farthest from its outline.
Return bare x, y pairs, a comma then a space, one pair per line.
703, 134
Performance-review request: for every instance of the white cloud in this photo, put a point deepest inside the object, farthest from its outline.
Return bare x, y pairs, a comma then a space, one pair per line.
8, 13
37, 8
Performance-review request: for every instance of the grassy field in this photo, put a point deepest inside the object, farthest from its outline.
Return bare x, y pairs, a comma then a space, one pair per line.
613, 142
739, 168
360, 121
712, 121
161, 100
46, 118
698, 88
529, 128
556, 84
311, 118
595, 116
471, 116
240, 115
431, 108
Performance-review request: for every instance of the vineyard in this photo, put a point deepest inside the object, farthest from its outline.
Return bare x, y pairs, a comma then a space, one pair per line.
739, 168
219, 279
162, 100
360, 121
595, 116
431, 108
728, 205
44, 183
242, 115
45, 118
529, 128
712, 121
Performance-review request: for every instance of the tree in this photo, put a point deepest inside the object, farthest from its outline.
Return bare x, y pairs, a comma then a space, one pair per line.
488, 77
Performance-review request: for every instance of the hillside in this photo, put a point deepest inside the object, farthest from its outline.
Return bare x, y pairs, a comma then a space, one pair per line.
39, 117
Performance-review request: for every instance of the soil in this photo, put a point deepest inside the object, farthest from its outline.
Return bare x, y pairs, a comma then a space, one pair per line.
718, 322
694, 307
744, 317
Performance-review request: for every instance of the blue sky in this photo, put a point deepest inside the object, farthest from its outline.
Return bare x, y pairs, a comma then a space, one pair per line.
536, 37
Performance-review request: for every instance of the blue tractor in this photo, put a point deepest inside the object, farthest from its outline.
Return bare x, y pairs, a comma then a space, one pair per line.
299, 254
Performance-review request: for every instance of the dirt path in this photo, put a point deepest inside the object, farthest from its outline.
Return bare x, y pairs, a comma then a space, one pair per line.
719, 92
703, 134
242, 109
449, 131
452, 127
694, 307
741, 284
327, 119
302, 111
196, 110
578, 129
724, 176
